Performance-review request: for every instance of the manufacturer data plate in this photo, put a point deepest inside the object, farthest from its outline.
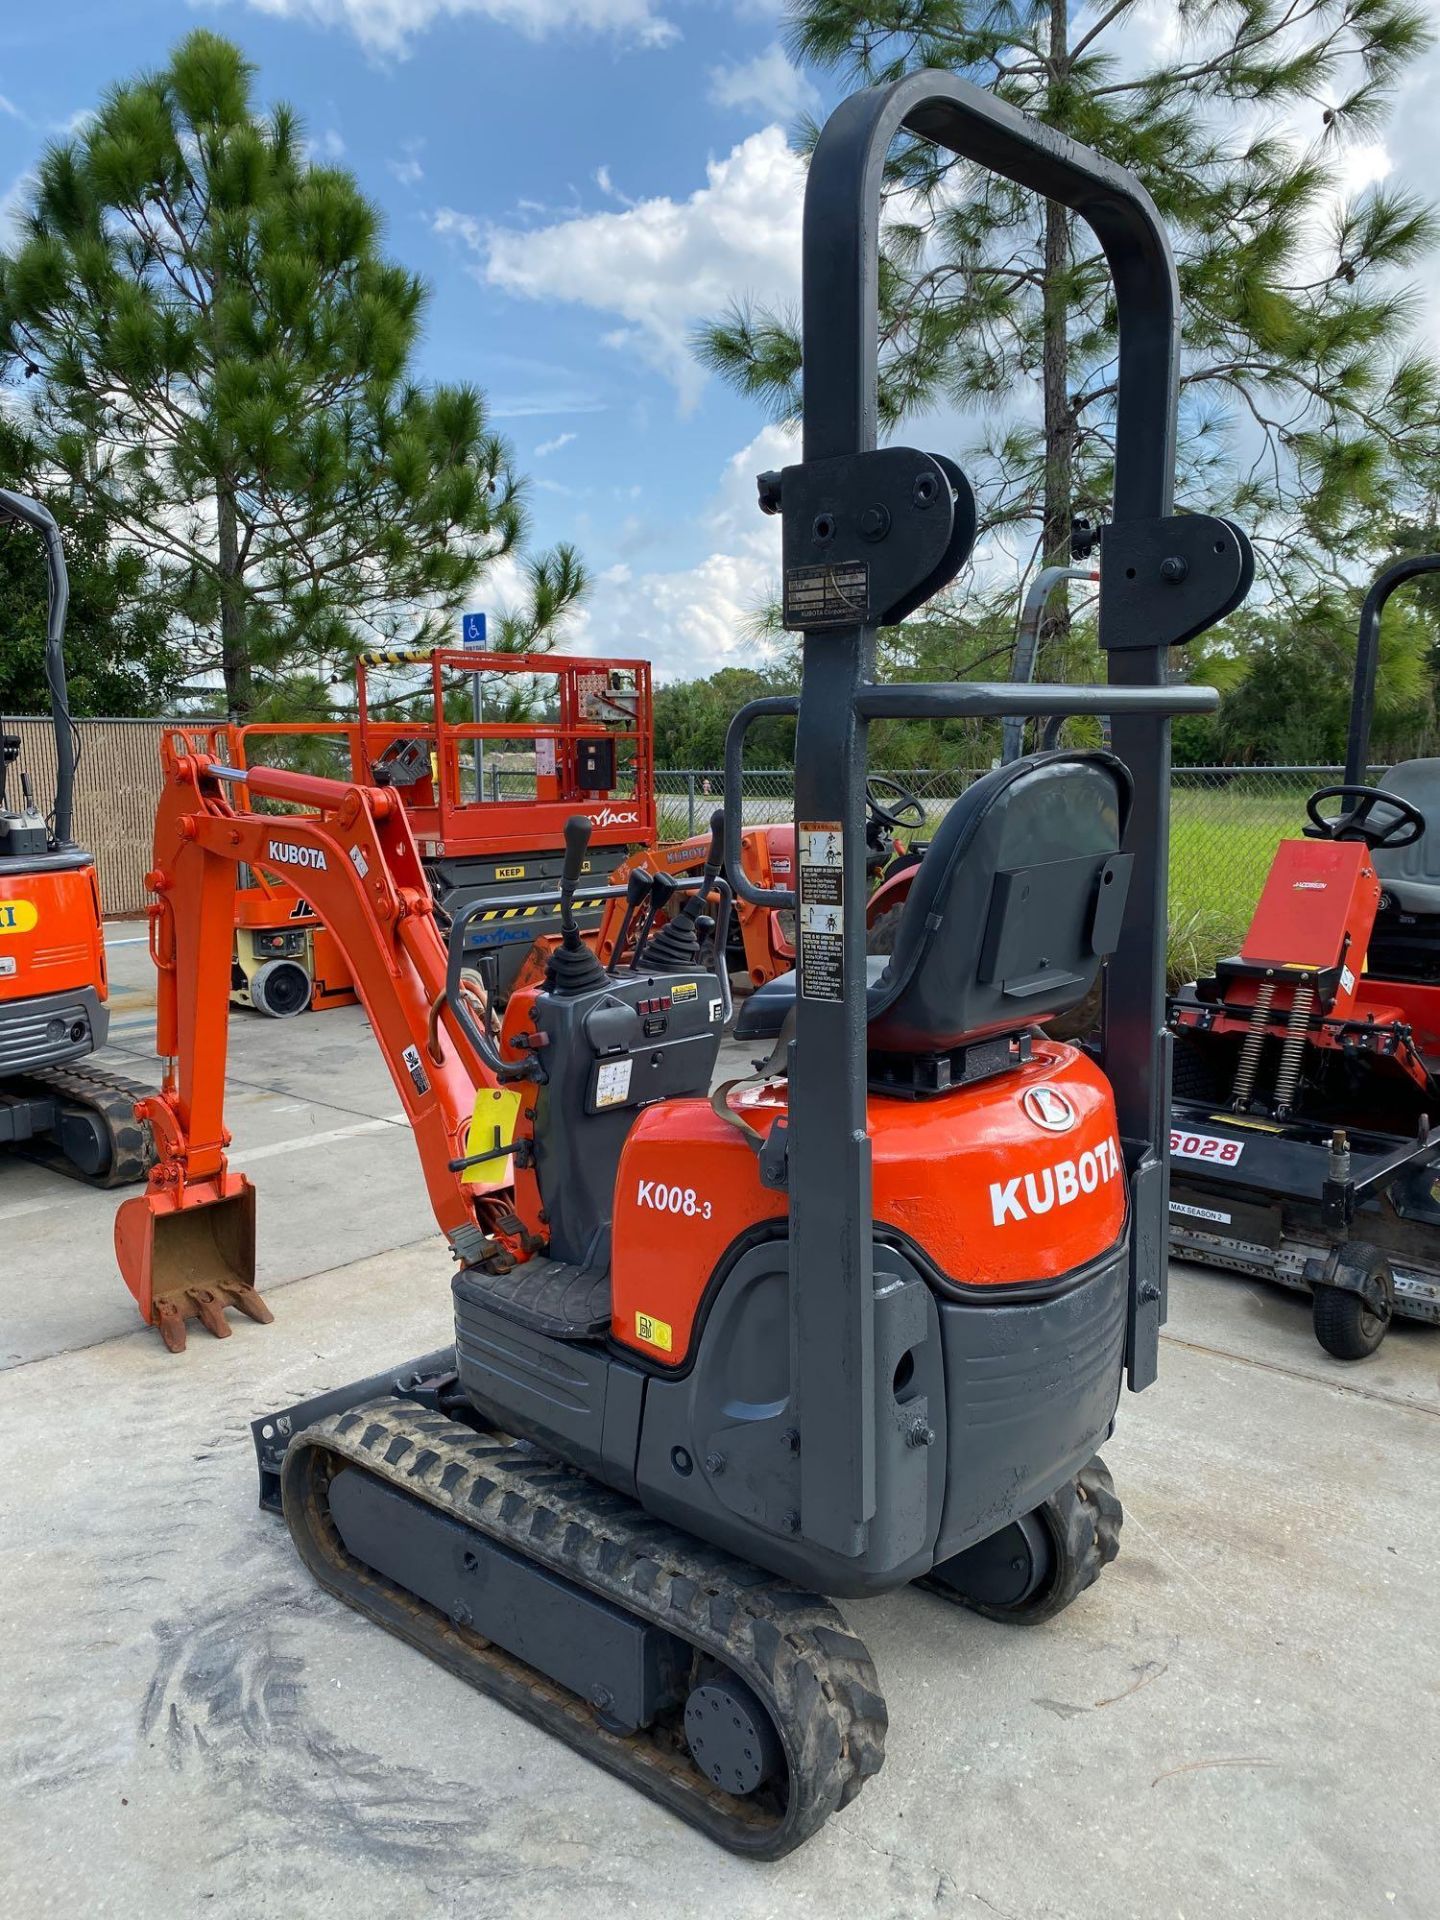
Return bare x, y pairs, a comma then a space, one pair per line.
837, 595
820, 849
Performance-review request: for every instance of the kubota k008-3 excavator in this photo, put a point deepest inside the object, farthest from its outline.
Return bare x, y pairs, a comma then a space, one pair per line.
863, 1320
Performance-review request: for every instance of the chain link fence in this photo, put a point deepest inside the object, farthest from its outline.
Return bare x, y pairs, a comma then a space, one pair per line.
1225, 821
1225, 824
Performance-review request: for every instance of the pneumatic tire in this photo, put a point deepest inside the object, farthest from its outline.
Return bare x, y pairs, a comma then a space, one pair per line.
1346, 1326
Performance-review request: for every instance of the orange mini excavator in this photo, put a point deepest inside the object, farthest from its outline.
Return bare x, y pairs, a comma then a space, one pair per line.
862, 1321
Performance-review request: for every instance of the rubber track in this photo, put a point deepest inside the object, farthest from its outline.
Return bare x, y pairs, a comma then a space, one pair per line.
793, 1648
132, 1150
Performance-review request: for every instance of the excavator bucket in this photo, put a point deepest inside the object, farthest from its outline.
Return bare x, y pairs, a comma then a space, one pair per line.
189, 1253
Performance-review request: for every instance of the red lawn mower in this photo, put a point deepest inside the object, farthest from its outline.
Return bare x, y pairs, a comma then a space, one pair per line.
1307, 1066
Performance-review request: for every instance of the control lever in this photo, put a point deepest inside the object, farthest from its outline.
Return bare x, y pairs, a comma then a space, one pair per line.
662, 891
637, 890
714, 863
574, 967
577, 842
677, 945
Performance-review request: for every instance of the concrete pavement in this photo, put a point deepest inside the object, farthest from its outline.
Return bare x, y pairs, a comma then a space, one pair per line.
1241, 1719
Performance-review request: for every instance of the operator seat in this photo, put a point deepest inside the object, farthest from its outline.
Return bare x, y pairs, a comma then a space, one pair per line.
1017, 902
1411, 875
1405, 944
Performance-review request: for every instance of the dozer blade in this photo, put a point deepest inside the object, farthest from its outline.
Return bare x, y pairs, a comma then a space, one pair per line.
188, 1255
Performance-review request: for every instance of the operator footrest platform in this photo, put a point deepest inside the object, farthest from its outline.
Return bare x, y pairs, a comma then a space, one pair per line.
547, 1296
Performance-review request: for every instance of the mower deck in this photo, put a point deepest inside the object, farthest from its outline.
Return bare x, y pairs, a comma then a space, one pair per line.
1266, 1197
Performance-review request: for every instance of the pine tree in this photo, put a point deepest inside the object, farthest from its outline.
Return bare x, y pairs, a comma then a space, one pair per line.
119, 655
218, 357
1309, 413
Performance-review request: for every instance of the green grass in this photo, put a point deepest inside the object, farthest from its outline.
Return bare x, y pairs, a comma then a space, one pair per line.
1222, 841
1223, 837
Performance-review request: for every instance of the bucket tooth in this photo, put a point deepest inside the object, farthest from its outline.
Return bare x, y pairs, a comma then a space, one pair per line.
188, 1253
171, 1322
210, 1313
247, 1301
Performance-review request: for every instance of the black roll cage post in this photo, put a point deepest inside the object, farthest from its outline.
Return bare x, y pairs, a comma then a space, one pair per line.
27, 512
1367, 660
869, 534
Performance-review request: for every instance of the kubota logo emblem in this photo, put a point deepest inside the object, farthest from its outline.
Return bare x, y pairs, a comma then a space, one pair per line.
287, 854
18, 916
1030, 1194
1049, 1109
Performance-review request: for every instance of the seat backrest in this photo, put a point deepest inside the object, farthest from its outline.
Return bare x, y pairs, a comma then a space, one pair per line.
1016, 903
1417, 781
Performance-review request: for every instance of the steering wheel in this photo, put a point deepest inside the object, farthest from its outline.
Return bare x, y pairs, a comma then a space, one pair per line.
1403, 830
905, 809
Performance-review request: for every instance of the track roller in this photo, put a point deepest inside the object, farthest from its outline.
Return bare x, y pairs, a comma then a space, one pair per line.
734, 1699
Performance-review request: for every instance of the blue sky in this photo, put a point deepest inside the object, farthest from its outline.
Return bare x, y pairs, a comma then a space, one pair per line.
581, 182
578, 181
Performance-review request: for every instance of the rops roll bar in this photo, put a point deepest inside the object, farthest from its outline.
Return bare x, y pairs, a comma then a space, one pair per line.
962, 700
870, 534
1367, 659
30, 513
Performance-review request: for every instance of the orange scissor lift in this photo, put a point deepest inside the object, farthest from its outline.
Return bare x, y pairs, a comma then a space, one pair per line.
480, 828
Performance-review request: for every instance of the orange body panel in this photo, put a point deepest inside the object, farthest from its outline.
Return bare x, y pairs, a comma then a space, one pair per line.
1317, 910
992, 1197
50, 929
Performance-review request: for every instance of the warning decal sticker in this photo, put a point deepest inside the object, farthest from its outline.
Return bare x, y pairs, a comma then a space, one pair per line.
655, 1333
612, 1083
820, 848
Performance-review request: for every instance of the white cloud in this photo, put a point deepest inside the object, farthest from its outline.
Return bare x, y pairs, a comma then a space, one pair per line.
386, 28
547, 447
536, 403
327, 149
9, 107
407, 169
694, 619
661, 265
768, 83
605, 180
13, 203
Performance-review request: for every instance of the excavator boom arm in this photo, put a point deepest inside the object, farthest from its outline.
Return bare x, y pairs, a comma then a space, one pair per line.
355, 862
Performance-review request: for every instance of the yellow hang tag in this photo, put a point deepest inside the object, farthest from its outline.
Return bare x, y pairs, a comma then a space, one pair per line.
492, 1124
